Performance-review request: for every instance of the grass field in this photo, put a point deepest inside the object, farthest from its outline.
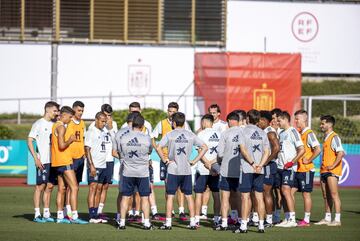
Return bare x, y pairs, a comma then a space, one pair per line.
17, 212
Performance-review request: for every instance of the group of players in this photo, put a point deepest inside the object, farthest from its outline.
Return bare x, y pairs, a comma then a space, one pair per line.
253, 165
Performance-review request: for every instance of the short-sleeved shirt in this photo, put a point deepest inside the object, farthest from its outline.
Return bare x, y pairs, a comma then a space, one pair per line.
229, 152
135, 148
312, 141
255, 141
211, 137
335, 143
220, 126
96, 140
41, 131
270, 129
158, 129
290, 140
180, 143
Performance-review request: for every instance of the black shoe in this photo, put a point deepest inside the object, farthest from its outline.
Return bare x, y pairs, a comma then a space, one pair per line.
182, 216
148, 228
239, 230
216, 224
268, 225
221, 228
261, 231
165, 227
253, 224
192, 227
121, 227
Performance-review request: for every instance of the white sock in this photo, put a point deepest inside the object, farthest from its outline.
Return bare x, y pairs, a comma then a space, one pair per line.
292, 216
307, 217
173, 212
269, 218
197, 219
328, 217
46, 213
146, 222
168, 222
142, 218
287, 215
261, 224
154, 210
75, 214
68, 209
243, 225
100, 208
130, 212
204, 210
192, 221
37, 212
337, 217
255, 217
122, 222
181, 210
60, 214
224, 223
137, 213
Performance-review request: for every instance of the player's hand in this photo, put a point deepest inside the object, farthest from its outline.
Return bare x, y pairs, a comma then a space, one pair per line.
258, 169
289, 165
207, 165
192, 163
92, 171
72, 138
39, 165
305, 161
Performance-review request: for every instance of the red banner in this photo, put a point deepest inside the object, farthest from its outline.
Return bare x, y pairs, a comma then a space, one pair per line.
249, 80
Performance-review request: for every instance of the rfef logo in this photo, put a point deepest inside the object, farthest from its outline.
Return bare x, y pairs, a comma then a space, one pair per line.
345, 171
305, 27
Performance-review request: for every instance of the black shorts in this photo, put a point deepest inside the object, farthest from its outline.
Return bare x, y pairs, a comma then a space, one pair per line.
202, 181
109, 172
47, 175
78, 168
304, 181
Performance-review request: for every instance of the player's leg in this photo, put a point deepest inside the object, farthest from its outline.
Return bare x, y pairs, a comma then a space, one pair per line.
205, 202
327, 202
144, 192
287, 184
332, 183
127, 189
46, 200
181, 204
258, 187
108, 176
39, 189
171, 186
60, 200
91, 201
278, 196
234, 205
269, 203
213, 183
225, 202
186, 189
199, 189
305, 185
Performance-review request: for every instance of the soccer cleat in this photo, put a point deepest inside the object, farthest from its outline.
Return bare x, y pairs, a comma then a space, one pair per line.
193, 227
221, 228
239, 230
78, 221
94, 220
121, 227
334, 224
68, 216
253, 224
158, 217
49, 220
303, 223
63, 221
137, 219
148, 227
38, 219
284, 222
231, 221
323, 222
268, 225
182, 217
290, 224
203, 216
276, 220
260, 230
131, 218
102, 216
165, 227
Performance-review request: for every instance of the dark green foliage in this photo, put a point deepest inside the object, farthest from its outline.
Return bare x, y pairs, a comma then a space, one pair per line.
6, 133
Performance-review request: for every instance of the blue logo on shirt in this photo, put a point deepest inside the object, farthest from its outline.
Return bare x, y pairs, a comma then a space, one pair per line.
214, 137
181, 139
133, 154
133, 142
180, 150
256, 148
213, 149
256, 136
236, 151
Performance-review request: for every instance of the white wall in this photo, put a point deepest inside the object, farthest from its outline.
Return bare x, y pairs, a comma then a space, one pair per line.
334, 49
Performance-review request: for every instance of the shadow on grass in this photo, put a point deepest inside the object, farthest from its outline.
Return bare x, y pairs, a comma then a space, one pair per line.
26, 216
354, 212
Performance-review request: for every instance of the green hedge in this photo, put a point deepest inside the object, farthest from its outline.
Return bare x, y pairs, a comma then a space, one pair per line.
6, 133
332, 107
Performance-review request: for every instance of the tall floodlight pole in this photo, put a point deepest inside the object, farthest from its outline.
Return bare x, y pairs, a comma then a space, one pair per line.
54, 71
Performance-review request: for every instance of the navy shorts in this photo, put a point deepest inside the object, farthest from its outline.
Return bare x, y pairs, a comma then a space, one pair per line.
202, 181
59, 171
304, 181
175, 181
151, 174
78, 168
46, 175
288, 178
163, 171
130, 183
278, 178
251, 182
229, 183
325, 175
109, 172
100, 176
270, 171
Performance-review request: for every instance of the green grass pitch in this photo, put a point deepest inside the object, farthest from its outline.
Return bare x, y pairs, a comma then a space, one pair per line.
17, 212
